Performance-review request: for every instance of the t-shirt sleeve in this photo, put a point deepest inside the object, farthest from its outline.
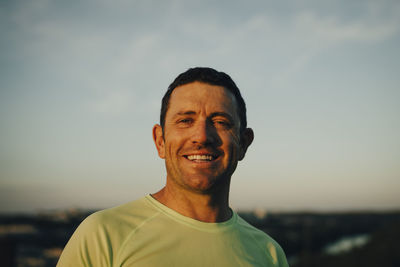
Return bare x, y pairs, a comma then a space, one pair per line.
276, 254
88, 246
281, 257
283, 260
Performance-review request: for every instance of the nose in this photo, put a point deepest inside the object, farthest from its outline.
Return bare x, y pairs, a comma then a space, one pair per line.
203, 133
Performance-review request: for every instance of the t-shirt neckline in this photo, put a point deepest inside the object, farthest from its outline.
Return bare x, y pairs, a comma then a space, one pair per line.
203, 226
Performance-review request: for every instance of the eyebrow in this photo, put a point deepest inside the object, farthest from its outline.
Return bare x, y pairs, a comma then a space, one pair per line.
182, 113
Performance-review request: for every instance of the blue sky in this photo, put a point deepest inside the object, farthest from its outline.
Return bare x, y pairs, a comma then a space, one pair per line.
81, 84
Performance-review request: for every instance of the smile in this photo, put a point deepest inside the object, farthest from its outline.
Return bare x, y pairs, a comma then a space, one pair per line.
200, 158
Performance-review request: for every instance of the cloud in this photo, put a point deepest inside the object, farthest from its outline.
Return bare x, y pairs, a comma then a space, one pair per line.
332, 29
113, 102
310, 34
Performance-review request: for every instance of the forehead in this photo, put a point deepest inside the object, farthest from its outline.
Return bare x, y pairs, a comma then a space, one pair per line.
201, 96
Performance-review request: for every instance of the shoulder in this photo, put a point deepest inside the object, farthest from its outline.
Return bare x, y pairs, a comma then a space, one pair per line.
104, 231
264, 241
117, 222
133, 213
247, 228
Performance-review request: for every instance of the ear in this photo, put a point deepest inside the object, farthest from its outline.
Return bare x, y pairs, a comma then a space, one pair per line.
159, 140
245, 141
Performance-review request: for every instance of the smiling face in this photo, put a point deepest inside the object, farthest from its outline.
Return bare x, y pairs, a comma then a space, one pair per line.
201, 141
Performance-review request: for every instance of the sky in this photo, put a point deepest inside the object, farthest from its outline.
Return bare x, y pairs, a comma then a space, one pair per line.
81, 84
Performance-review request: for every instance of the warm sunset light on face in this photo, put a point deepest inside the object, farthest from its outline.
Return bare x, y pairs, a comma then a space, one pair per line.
201, 137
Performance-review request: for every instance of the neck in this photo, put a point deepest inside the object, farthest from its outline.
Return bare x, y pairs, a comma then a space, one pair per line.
213, 207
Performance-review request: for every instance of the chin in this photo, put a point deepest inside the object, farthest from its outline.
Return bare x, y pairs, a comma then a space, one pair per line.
207, 185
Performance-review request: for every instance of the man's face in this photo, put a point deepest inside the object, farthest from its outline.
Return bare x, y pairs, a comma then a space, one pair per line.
201, 140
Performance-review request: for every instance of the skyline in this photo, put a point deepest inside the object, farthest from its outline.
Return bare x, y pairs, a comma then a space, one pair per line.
81, 87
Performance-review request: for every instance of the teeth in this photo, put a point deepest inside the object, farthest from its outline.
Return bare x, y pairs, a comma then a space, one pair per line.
200, 157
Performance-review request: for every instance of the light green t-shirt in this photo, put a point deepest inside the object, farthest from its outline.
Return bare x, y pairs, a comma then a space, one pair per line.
147, 233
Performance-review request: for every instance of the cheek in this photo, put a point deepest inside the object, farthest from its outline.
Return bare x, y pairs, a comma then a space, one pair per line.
233, 143
172, 145
235, 139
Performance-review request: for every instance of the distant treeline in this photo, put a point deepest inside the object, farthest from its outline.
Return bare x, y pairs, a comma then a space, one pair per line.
303, 236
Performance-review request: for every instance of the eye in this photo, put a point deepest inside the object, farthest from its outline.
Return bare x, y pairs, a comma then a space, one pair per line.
222, 123
185, 121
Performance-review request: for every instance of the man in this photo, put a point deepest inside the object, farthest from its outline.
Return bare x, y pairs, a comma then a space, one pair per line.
202, 135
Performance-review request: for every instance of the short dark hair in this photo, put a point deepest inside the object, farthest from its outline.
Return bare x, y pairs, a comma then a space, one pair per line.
209, 76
